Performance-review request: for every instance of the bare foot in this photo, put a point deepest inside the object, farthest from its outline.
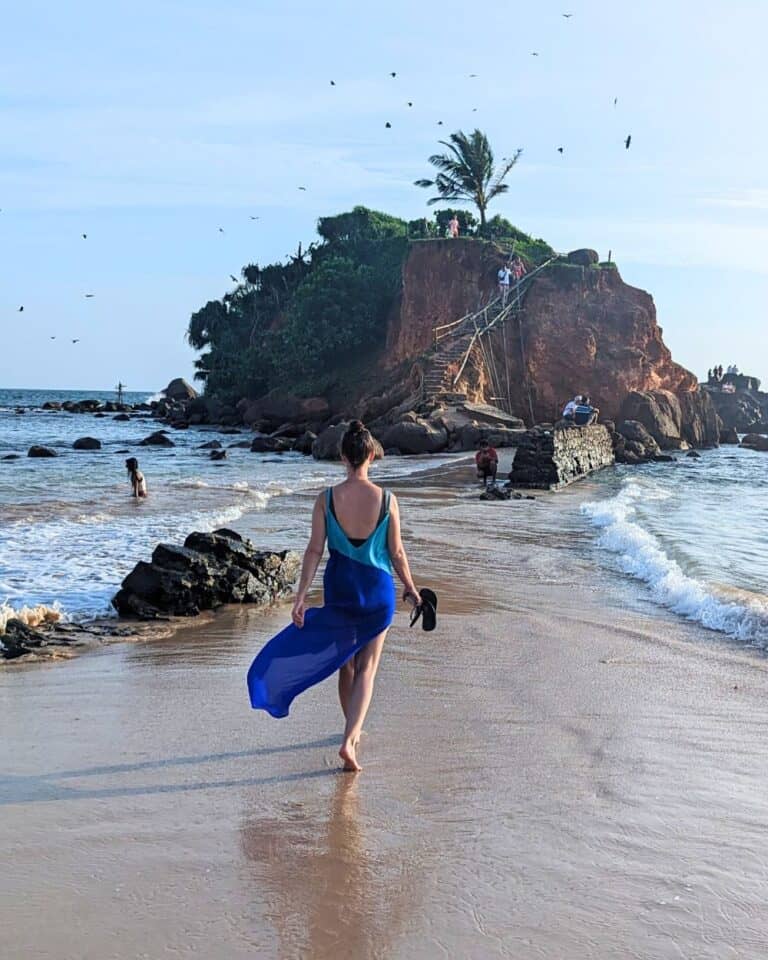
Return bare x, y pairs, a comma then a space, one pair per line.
347, 754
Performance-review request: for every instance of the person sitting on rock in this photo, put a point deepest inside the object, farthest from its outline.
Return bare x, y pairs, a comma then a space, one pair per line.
585, 413
487, 462
570, 408
136, 477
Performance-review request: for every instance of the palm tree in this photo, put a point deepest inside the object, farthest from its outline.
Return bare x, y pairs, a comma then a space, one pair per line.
467, 173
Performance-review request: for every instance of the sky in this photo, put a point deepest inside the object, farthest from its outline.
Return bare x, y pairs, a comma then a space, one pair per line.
153, 126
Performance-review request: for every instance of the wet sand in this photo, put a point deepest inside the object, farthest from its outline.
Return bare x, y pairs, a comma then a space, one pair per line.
549, 775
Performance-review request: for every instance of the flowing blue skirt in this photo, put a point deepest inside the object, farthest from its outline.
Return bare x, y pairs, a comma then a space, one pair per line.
359, 605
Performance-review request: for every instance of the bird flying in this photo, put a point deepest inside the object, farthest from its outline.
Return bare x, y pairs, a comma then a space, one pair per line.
221, 229
567, 16
53, 338
254, 218
84, 236
534, 54
628, 141
89, 295
233, 278
21, 309
388, 125
410, 103
439, 123
615, 101
302, 188
560, 149
472, 76
393, 74
76, 341
333, 83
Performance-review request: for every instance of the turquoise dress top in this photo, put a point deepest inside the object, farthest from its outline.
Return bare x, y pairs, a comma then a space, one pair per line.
359, 604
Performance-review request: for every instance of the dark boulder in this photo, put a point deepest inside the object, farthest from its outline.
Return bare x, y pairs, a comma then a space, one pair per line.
240, 445
211, 569
693, 454
263, 443
87, 443
328, 443
583, 257
11, 456
19, 639
416, 437
633, 430
754, 441
37, 451
304, 443
728, 435
179, 389
121, 417
210, 445
218, 455
659, 412
157, 439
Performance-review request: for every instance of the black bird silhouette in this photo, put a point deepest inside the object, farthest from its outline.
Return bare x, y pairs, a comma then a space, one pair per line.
233, 278
21, 309
474, 109
333, 83
75, 341
85, 236
53, 338
410, 103
388, 125
302, 188
534, 54
560, 149
254, 218
393, 74
439, 123
628, 141
221, 229
472, 76
89, 295
567, 16
615, 101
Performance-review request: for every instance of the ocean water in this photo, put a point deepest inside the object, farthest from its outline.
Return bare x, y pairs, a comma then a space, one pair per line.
693, 536
69, 529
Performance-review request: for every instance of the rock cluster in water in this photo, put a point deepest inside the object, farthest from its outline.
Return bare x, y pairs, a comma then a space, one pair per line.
211, 569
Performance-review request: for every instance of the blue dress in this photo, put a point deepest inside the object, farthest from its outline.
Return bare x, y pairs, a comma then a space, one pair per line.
359, 593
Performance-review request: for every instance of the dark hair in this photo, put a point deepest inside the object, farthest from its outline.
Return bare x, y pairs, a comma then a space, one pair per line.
131, 464
358, 445
483, 443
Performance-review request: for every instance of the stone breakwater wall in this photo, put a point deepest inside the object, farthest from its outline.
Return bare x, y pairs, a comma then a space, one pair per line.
548, 458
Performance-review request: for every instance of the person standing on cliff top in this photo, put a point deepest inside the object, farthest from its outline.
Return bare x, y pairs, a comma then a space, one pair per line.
453, 226
503, 277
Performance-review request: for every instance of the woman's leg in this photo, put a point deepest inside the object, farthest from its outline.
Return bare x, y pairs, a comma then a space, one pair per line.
346, 680
366, 665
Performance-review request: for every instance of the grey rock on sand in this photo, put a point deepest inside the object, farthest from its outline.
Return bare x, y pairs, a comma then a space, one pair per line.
211, 569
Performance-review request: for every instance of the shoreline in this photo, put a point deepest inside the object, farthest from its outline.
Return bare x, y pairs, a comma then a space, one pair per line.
521, 795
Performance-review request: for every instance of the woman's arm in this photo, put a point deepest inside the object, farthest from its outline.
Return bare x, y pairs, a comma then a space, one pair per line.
397, 553
312, 557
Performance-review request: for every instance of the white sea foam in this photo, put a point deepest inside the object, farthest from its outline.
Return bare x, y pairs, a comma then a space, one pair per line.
32, 616
640, 554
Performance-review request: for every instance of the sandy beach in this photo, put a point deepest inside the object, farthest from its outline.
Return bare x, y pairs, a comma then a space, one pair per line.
551, 774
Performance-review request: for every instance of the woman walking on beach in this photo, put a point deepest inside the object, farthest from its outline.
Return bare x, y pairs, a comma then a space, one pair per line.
361, 523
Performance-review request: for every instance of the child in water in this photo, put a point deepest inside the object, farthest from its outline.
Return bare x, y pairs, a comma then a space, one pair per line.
138, 483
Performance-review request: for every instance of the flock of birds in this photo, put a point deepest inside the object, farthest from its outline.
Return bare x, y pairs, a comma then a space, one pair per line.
388, 126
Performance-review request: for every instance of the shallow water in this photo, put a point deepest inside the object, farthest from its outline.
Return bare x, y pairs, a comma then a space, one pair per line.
69, 530
693, 534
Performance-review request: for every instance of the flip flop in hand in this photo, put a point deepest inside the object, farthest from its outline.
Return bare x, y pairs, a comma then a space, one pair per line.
426, 609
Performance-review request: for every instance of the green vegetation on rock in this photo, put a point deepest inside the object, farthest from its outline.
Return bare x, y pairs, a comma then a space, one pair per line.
304, 324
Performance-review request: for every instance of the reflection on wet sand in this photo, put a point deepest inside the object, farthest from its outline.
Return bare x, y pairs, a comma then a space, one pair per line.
332, 886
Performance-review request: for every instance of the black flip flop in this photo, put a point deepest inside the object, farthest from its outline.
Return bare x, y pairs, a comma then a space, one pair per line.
427, 609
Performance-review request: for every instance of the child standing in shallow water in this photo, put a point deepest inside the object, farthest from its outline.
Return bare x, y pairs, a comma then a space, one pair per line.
138, 483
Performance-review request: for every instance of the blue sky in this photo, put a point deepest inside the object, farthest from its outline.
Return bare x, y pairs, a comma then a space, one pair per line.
149, 125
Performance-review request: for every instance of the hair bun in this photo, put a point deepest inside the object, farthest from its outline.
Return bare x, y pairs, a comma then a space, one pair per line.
356, 426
